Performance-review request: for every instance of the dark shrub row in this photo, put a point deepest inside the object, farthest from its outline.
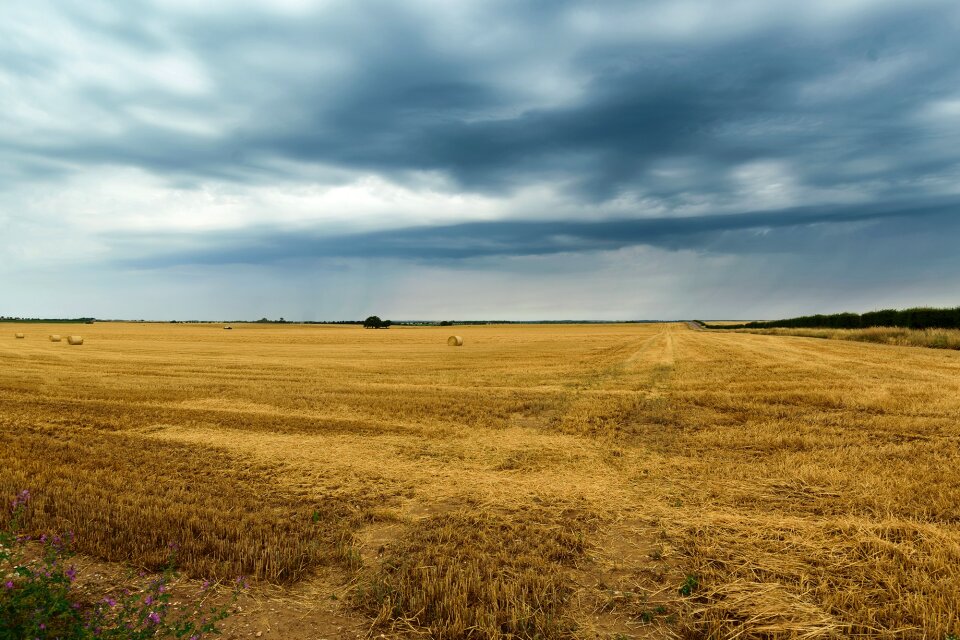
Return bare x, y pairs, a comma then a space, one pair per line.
916, 318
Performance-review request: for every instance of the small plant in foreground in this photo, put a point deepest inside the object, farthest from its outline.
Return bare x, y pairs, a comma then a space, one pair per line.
647, 615
689, 585
39, 599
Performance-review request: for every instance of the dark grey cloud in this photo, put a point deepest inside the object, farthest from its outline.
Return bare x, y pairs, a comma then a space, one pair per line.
375, 86
802, 229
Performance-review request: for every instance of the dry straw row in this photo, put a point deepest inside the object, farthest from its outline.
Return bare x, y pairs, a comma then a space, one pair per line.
55, 337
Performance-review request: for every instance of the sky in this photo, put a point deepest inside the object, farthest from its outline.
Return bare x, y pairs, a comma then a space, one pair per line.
518, 160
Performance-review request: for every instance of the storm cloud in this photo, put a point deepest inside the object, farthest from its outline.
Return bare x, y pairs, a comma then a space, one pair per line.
501, 142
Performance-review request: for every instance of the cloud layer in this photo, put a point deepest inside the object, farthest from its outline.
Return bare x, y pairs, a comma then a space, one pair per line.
494, 144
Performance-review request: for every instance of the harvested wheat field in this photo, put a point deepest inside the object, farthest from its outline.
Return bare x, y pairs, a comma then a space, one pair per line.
541, 481
932, 338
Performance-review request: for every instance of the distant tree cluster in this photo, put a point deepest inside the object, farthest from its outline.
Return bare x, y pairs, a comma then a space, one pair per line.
916, 318
47, 320
374, 322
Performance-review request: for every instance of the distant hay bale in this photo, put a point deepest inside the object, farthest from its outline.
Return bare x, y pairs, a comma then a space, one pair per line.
19, 335
228, 327
75, 339
455, 341
54, 337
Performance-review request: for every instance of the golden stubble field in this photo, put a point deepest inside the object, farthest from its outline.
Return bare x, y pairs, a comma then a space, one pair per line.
540, 481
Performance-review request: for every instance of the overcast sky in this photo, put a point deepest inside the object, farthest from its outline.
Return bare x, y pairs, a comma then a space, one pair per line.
512, 160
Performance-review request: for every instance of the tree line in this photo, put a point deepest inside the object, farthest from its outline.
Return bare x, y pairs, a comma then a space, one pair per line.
48, 320
915, 318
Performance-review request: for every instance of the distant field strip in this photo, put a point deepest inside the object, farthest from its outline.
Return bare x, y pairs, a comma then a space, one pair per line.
932, 338
540, 481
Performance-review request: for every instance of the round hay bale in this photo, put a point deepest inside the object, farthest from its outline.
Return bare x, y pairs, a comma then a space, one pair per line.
54, 337
75, 339
455, 341
19, 335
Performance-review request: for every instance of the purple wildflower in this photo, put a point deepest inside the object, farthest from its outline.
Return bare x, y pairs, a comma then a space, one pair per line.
9, 584
111, 602
154, 617
72, 573
148, 600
